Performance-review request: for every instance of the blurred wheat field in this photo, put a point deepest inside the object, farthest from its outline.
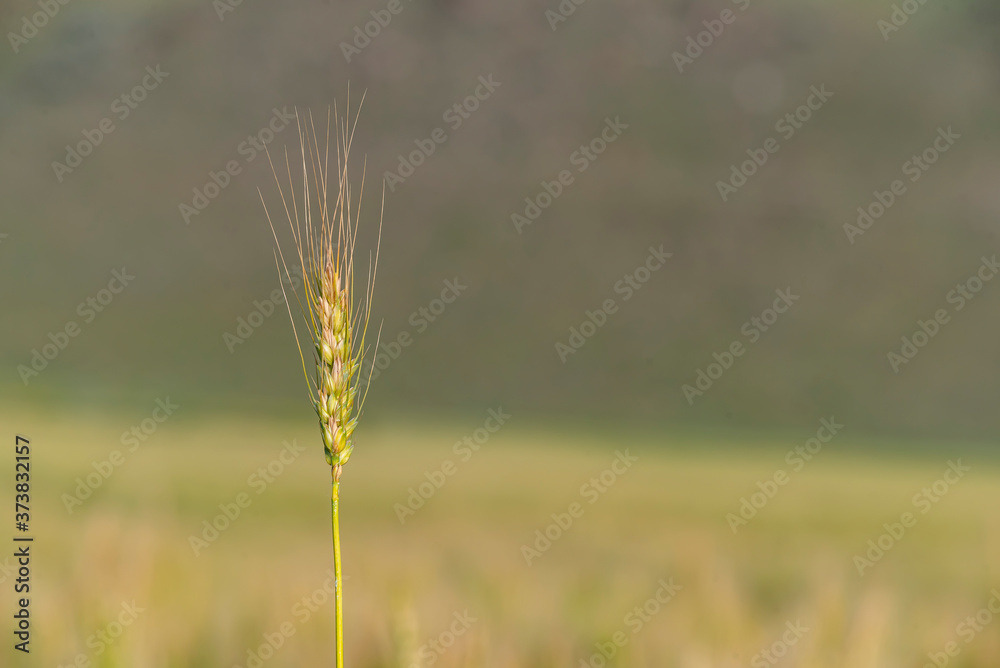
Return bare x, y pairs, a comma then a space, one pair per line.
460, 555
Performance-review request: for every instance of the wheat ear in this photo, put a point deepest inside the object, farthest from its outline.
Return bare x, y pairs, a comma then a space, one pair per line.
324, 238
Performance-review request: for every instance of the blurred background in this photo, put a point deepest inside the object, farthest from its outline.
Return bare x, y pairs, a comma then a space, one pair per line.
821, 176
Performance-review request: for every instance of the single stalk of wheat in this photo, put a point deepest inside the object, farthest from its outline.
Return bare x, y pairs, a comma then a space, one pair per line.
324, 234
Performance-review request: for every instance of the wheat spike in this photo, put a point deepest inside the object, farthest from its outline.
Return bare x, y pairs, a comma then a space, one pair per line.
324, 234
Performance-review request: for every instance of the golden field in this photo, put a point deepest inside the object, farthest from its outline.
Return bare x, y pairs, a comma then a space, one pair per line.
455, 572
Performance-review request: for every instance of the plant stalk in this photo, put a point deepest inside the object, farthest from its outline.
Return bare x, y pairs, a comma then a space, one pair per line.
335, 518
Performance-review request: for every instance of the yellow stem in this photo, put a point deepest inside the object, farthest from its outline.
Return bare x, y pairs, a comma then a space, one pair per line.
335, 512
